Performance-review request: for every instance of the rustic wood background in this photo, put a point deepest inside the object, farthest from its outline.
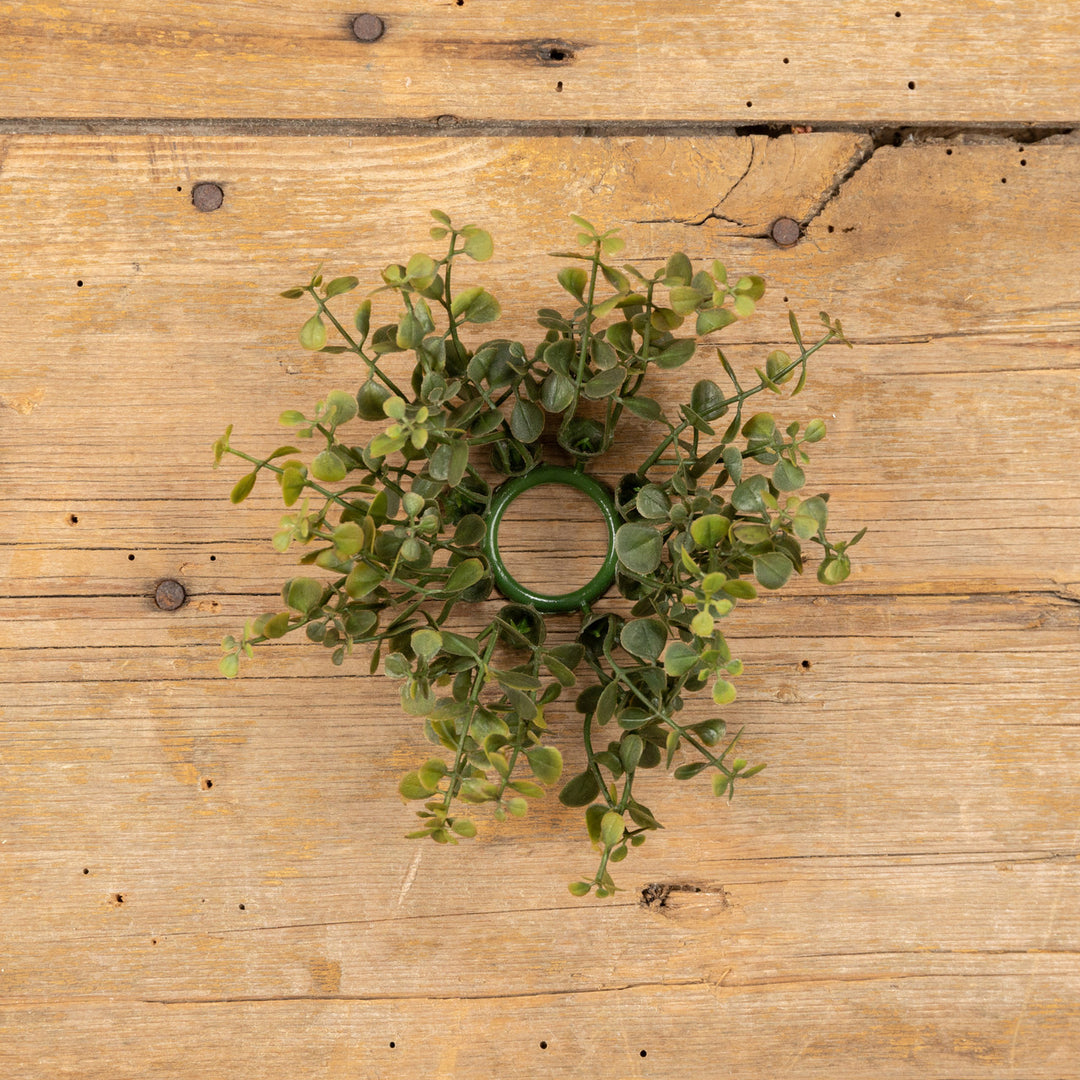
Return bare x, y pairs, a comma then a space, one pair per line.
208, 878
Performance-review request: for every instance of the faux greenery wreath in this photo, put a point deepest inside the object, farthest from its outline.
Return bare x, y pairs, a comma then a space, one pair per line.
405, 526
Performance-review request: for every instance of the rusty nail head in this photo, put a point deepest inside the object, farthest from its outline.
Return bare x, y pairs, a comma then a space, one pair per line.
207, 197
169, 595
786, 232
368, 27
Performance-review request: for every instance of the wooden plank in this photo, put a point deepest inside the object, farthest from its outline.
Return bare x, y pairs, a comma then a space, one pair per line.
843, 61
204, 876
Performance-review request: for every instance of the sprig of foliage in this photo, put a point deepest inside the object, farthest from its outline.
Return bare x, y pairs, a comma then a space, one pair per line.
396, 524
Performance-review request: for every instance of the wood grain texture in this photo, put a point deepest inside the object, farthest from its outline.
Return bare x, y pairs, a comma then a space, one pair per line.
840, 61
202, 877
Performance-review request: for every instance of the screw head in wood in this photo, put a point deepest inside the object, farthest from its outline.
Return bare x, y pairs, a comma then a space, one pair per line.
785, 232
368, 27
207, 197
169, 595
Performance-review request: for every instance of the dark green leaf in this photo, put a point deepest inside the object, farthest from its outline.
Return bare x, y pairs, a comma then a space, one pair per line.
644, 638
526, 421
639, 547
581, 790
772, 569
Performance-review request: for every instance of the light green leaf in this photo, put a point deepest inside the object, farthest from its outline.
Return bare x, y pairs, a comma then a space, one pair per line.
478, 246
709, 530
612, 827
723, 692
465, 575
328, 467
680, 658
303, 594
362, 579
426, 643
546, 763
313, 333
242, 489
341, 285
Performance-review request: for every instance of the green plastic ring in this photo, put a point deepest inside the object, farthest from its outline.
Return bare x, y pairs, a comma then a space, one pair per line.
514, 590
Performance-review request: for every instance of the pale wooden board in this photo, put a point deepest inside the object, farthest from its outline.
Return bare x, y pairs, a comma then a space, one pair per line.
896, 895
997, 61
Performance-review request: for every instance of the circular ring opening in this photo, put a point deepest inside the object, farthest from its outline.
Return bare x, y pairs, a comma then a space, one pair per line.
505, 581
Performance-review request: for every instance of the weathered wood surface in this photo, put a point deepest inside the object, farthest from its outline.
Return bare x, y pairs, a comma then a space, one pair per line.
200, 877
842, 61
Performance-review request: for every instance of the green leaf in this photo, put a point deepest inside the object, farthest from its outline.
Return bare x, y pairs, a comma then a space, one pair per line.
341, 285
644, 638
574, 280
557, 393
465, 575
639, 547
426, 643
604, 384
690, 770
714, 319
526, 421
834, 570
546, 763
229, 665
733, 462
303, 594
276, 625
580, 888
440, 217
470, 531
475, 305
328, 467
741, 590
679, 270
751, 286
723, 692
645, 407
313, 333
362, 579
580, 790
677, 354
709, 530
478, 246
242, 489
680, 658
652, 502
412, 787
744, 306
420, 270
630, 749
612, 827
362, 319
815, 431
772, 569
788, 477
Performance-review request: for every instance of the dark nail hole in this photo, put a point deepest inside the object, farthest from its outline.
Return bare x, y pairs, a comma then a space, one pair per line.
897, 14
207, 197
242, 908
749, 104
832, 228
131, 558
460, 3
556, 55
392, 1044
948, 153
785, 299
169, 595
86, 869
368, 27
806, 664
911, 86
644, 1053
1004, 181
79, 283
1023, 161
786, 60
153, 941
207, 784
119, 897
73, 519
543, 1045
558, 90
213, 558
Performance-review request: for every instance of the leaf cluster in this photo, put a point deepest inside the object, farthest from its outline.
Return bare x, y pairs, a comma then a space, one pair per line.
393, 522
